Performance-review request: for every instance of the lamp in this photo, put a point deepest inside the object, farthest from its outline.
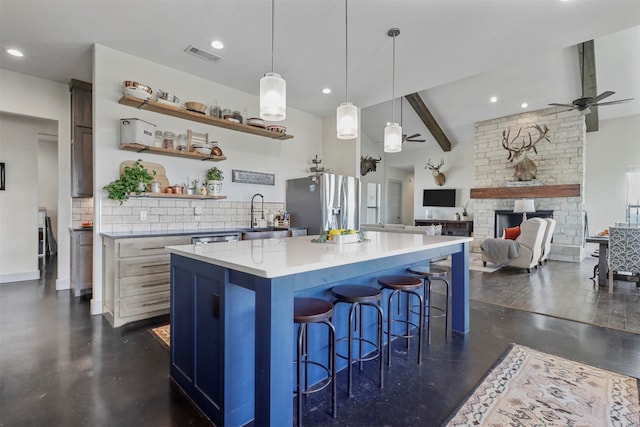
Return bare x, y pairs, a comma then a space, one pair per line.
273, 88
393, 131
347, 112
523, 206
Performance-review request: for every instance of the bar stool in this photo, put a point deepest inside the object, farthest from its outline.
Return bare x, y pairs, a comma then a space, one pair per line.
358, 296
306, 311
408, 285
430, 274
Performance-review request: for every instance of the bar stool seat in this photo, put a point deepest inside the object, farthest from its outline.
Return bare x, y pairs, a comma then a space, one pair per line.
305, 312
358, 296
408, 285
430, 274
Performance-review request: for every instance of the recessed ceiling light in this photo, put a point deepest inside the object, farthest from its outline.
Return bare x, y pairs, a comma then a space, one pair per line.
524, 105
326, 91
493, 99
217, 44
15, 52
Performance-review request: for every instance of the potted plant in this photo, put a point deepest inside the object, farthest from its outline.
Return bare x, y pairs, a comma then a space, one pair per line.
214, 181
465, 215
134, 179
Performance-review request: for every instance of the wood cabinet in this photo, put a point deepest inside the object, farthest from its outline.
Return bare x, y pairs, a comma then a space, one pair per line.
136, 280
81, 262
81, 139
449, 227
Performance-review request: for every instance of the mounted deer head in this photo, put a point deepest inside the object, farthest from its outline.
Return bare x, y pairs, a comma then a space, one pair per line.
525, 168
515, 150
368, 164
438, 176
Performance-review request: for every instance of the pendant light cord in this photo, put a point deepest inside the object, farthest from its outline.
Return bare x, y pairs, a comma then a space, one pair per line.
346, 51
272, 32
393, 82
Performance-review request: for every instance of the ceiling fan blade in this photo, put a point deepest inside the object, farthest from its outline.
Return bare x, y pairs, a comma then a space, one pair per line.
416, 140
413, 136
562, 105
556, 112
612, 102
603, 95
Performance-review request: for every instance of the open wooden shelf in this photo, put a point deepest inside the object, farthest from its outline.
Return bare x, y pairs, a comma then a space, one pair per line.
139, 148
177, 196
181, 113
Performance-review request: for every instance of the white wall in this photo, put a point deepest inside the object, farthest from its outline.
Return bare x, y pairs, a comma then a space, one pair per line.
286, 159
19, 202
342, 156
34, 97
609, 152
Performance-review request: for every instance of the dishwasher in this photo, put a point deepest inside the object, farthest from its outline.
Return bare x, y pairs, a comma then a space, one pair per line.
215, 238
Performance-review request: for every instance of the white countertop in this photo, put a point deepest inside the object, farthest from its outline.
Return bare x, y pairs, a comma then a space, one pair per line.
281, 257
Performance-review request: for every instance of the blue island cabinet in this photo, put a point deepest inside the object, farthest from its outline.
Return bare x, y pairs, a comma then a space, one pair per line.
212, 368
232, 330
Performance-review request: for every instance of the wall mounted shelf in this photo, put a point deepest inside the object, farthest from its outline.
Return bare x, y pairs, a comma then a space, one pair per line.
181, 113
139, 148
176, 196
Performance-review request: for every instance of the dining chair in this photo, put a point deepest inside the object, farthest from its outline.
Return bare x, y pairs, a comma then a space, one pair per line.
624, 251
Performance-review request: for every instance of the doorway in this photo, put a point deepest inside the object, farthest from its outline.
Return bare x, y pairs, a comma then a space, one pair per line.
394, 201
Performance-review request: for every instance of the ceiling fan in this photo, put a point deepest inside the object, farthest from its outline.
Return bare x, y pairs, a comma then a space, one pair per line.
410, 138
586, 102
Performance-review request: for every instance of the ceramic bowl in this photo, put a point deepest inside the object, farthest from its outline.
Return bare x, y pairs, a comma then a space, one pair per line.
277, 128
197, 107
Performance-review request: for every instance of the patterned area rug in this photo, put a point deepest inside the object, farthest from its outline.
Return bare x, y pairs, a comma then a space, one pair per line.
475, 263
163, 335
531, 388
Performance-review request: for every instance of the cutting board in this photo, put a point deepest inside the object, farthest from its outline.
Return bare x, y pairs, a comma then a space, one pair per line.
161, 175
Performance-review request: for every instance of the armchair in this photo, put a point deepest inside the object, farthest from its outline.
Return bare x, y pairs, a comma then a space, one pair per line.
546, 241
524, 252
624, 251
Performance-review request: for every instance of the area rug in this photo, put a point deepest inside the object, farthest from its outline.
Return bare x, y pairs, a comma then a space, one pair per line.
163, 335
475, 263
530, 388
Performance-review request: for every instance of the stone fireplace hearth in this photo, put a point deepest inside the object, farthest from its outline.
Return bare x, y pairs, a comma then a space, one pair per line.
560, 165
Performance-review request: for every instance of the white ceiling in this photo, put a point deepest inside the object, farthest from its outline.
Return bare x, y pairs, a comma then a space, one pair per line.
455, 53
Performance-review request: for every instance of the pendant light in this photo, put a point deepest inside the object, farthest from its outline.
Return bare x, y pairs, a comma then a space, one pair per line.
393, 131
273, 88
347, 112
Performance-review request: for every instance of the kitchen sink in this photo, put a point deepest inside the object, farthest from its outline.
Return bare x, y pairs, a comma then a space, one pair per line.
266, 233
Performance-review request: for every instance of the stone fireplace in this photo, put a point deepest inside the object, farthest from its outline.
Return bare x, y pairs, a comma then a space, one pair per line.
559, 185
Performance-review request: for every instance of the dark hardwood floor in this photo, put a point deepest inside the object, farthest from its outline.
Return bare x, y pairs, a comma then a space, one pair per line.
59, 366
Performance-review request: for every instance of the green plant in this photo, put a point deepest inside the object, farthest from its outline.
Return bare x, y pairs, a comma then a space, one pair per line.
130, 182
464, 210
214, 174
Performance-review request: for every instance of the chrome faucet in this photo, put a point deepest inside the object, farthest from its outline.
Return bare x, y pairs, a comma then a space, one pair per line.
253, 221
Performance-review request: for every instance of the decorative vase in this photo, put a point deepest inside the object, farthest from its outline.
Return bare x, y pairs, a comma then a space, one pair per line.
214, 187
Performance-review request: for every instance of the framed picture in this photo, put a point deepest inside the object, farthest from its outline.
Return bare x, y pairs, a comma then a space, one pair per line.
2, 176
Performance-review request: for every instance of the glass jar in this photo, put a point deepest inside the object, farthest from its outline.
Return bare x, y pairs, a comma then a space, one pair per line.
238, 116
215, 109
168, 139
226, 113
182, 142
158, 142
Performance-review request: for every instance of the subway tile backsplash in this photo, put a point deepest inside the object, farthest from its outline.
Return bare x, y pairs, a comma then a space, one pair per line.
81, 211
176, 214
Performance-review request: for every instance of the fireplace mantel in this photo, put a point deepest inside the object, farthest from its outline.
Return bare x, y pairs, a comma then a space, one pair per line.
562, 190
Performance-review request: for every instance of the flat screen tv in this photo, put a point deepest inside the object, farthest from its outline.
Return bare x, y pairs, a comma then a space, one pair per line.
442, 198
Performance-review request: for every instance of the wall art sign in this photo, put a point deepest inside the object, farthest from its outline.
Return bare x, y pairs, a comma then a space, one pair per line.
249, 177
2, 176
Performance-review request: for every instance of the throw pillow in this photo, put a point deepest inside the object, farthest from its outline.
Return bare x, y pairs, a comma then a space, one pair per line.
512, 233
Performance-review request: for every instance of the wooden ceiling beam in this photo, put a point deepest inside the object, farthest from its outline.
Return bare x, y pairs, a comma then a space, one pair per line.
587, 61
429, 121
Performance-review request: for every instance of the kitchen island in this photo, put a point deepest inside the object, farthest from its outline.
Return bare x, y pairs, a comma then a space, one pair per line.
232, 330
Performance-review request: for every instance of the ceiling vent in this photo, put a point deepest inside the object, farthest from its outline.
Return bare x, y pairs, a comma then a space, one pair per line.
202, 54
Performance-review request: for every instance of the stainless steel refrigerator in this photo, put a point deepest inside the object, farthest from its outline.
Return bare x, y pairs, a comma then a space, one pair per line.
324, 202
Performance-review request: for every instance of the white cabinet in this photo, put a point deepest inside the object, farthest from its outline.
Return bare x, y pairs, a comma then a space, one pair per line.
136, 277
